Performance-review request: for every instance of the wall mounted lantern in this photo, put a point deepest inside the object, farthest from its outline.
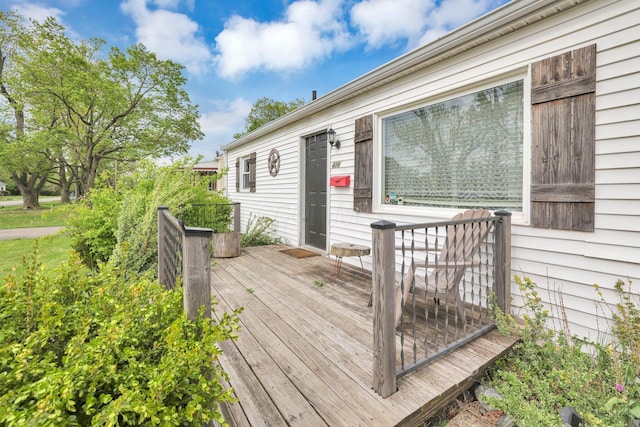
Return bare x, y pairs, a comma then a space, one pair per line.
331, 138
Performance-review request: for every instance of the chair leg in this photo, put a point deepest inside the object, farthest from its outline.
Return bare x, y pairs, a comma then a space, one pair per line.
462, 315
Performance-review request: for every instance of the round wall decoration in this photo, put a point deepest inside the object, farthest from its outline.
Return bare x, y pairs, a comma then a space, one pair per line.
274, 162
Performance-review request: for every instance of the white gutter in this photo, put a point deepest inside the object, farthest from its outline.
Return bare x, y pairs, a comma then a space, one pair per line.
504, 20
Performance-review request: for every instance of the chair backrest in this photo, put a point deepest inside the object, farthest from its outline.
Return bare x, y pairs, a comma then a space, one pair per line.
461, 244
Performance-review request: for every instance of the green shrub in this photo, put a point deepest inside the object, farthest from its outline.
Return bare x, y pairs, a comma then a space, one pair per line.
624, 351
550, 369
78, 349
92, 225
175, 186
257, 232
121, 227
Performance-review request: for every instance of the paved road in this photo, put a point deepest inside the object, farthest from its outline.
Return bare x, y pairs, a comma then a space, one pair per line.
19, 202
28, 233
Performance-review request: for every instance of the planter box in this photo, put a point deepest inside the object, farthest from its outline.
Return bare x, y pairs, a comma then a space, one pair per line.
226, 245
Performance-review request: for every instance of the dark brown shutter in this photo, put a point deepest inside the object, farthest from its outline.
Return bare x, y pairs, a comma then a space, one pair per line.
252, 172
563, 141
363, 174
238, 173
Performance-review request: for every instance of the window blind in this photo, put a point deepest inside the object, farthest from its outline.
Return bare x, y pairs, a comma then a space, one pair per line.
464, 152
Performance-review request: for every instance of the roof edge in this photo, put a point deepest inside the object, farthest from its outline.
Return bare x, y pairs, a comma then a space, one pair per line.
499, 22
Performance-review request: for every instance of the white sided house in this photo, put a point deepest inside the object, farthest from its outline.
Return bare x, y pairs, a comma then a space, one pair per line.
533, 108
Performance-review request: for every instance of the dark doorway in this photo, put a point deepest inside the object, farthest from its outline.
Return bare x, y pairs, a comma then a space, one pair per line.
315, 197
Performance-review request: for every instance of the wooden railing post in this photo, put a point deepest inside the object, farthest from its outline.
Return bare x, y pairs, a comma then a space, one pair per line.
236, 217
502, 261
196, 271
384, 316
162, 276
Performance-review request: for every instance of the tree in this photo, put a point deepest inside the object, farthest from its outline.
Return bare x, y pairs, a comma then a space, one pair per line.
86, 106
265, 110
19, 154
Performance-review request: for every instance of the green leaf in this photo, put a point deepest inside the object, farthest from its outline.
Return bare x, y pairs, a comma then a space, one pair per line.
635, 411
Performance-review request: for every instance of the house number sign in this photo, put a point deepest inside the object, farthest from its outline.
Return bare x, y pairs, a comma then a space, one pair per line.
274, 162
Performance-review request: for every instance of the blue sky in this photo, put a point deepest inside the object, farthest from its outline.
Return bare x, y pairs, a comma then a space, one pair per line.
237, 51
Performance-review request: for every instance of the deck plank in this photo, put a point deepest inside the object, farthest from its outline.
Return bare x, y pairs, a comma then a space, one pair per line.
302, 373
276, 383
328, 350
303, 356
252, 399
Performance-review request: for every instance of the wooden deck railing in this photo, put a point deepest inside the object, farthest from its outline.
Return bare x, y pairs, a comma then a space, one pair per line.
184, 252
451, 275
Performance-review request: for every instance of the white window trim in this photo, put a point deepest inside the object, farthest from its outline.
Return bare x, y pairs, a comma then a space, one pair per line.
517, 218
243, 160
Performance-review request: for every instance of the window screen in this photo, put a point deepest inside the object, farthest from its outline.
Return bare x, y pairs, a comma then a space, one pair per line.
246, 168
464, 152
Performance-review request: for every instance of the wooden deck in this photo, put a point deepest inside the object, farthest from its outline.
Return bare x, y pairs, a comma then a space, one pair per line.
303, 356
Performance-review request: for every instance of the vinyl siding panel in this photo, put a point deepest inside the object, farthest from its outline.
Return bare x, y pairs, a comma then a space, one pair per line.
618, 207
565, 264
611, 167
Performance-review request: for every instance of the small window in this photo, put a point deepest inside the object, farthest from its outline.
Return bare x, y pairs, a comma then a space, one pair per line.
246, 173
464, 152
246, 170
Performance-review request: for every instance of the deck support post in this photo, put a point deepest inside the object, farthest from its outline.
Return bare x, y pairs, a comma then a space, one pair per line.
196, 270
186, 252
384, 308
502, 261
236, 217
162, 274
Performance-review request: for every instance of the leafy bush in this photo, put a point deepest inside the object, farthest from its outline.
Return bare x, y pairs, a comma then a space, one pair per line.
78, 349
624, 351
92, 223
121, 227
550, 369
257, 232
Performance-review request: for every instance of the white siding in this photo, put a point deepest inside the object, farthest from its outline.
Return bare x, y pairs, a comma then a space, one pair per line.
569, 262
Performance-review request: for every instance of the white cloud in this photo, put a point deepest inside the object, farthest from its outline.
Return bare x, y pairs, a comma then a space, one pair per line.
418, 22
308, 32
386, 21
40, 13
37, 12
170, 35
451, 15
224, 118
167, 4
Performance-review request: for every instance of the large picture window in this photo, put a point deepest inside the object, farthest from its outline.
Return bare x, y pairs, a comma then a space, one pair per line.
464, 152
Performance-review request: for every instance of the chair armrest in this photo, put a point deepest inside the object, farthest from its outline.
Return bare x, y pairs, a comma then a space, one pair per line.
422, 264
418, 249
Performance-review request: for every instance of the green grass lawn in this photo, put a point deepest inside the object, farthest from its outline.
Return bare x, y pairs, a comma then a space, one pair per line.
49, 214
53, 251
